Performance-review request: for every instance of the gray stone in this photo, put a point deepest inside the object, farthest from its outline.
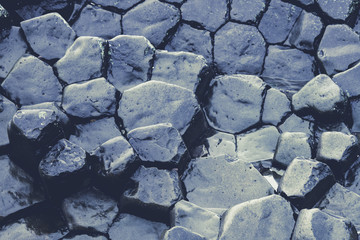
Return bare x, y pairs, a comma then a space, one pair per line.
29, 10
247, 10
320, 128
193, 40
7, 111
290, 146
339, 48
196, 219
265, 218
177, 233
92, 98
287, 68
211, 16
221, 182
296, 124
355, 112
35, 76
121, 5
130, 60
339, 9
48, 35
221, 144
235, 103
180, 68
86, 237
151, 19
352, 177
347, 81
316, 224
241, 43
278, 20
94, 21
276, 107
82, 61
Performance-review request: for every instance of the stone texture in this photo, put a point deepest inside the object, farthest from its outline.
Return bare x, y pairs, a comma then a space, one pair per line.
247, 11
221, 182
176, 233
241, 43
7, 111
296, 124
348, 81
274, 113
121, 5
339, 10
221, 143
86, 237
355, 112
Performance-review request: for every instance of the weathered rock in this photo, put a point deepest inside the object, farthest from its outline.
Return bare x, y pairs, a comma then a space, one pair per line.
151, 19
265, 218
235, 103
306, 181
121, 5
352, 177
287, 68
17, 189
82, 61
316, 224
89, 209
64, 169
306, 29
278, 20
342, 202
27, 10
221, 144
241, 43
355, 112
338, 150
189, 39
12, 47
321, 98
214, 8
274, 113
176, 233
86, 237
339, 48
31, 75
94, 21
180, 68
92, 98
247, 11
296, 124
291, 145
131, 227
221, 182
48, 35
347, 81
7, 111
158, 102
339, 10
257, 145
320, 128
130, 61
94, 133
153, 193
196, 219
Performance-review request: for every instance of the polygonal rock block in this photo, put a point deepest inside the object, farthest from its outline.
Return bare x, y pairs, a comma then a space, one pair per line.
221, 182
211, 16
151, 19
34, 76
339, 47
34, 9
241, 43
306, 181
94, 21
176, 233
352, 177
296, 124
64, 169
247, 11
92, 98
264, 218
48, 35
153, 193
339, 9
83, 60
129, 61
338, 150
121, 5
346, 80
235, 103
316, 224
196, 219
274, 113
7, 111
320, 98
89, 209
291, 145
221, 143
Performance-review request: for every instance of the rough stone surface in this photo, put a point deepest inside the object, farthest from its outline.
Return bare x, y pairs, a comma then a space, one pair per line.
296, 124
348, 81
94, 21
339, 47
274, 113
235, 103
86, 237
82, 61
122, 5
176, 233
92, 98
265, 218
7, 111
151, 19
221, 143
129, 63
31, 75
48, 35
221, 182
355, 112
247, 11
241, 43
339, 9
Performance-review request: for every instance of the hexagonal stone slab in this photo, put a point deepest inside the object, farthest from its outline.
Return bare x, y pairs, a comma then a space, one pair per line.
129, 61
221, 182
347, 81
48, 35
151, 19
247, 11
241, 43
339, 9
235, 103
176, 233
35, 76
7, 111
275, 113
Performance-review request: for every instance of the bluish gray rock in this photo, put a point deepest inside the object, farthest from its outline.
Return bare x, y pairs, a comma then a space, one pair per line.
121, 5
7, 111
275, 113
177, 233
296, 124
347, 81
247, 11
339, 10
